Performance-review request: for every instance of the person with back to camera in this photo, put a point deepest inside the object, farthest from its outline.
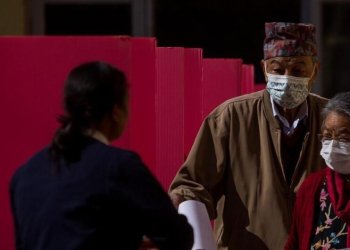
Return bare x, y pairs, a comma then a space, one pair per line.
81, 193
321, 216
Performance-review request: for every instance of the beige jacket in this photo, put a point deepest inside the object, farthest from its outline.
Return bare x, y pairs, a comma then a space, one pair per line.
235, 168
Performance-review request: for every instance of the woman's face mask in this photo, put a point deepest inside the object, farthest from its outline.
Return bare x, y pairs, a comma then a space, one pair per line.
336, 155
336, 142
288, 91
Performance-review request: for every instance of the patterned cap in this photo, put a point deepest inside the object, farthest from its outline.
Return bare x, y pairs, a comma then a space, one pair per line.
289, 39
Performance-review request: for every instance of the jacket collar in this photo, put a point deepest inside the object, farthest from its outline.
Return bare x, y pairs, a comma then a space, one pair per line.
269, 112
274, 122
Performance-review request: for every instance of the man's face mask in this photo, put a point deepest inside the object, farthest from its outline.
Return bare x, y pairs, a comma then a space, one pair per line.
288, 91
336, 155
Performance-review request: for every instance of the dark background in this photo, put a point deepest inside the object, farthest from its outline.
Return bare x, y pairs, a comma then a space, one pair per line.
223, 28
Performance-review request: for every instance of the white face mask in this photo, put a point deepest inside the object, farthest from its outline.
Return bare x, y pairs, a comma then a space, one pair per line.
337, 155
288, 91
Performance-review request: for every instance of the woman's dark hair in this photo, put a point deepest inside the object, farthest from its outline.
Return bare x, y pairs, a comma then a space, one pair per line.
339, 104
91, 91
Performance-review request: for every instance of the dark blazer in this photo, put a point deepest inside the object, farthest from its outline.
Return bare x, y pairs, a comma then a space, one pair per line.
108, 200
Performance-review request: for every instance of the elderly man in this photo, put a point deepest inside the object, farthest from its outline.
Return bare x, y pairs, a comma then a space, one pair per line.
253, 152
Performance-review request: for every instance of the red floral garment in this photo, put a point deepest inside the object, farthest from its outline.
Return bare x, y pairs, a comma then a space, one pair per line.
329, 231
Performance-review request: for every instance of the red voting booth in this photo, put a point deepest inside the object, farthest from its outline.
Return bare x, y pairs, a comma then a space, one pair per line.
171, 89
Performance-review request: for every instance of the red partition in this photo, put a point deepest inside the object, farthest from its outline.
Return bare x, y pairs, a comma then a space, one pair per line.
33, 70
221, 81
170, 118
171, 89
193, 83
143, 100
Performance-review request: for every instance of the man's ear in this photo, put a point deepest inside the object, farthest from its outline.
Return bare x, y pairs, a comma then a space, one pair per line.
262, 63
317, 68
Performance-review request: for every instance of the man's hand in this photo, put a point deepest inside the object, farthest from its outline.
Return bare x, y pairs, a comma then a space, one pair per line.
176, 199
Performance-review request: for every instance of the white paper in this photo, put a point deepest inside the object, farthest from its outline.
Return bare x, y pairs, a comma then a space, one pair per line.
198, 218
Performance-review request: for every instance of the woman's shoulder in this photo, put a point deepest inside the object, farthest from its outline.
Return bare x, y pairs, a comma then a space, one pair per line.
127, 165
112, 152
29, 166
39, 157
113, 157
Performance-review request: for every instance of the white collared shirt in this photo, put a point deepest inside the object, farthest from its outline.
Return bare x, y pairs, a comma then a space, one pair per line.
301, 115
97, 135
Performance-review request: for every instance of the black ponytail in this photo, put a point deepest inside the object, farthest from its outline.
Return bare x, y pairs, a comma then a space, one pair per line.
91, 91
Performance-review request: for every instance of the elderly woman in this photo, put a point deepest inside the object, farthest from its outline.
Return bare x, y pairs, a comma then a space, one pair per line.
322, 210
82, 193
